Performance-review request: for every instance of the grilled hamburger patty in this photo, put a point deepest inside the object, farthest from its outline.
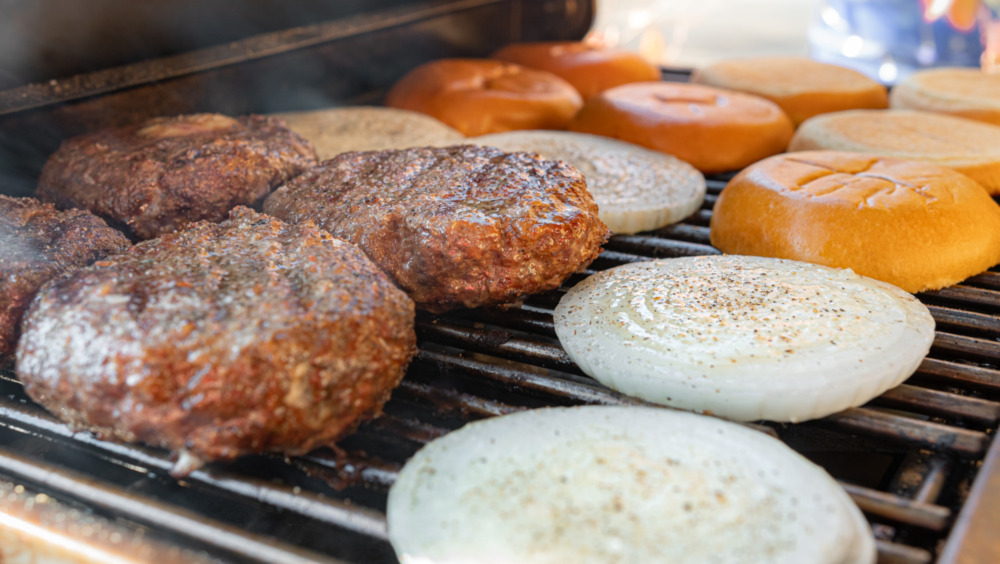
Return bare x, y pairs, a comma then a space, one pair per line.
156, 176
37, 242
453, 226
224, 339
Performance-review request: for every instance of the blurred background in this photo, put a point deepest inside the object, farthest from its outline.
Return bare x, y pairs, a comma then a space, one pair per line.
885, 39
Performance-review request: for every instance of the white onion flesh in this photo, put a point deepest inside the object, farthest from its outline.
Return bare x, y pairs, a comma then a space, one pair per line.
744, 338
622, 485
635, 189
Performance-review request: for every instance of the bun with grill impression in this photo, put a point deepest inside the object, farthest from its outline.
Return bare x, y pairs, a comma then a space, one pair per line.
916, 225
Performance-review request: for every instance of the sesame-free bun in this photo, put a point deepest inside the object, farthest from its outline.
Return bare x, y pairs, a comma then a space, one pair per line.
918, 226
635, 189
970, 147
801, 87
962, 92
589, 69
713, 129
480, 96
366, 128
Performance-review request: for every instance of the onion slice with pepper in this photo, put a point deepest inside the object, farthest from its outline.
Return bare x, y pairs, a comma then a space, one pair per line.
610, 485
743, 337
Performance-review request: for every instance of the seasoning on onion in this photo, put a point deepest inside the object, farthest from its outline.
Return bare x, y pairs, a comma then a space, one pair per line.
742, 337
610, 485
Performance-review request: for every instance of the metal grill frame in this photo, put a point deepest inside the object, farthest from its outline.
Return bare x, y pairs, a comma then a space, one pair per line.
920, 460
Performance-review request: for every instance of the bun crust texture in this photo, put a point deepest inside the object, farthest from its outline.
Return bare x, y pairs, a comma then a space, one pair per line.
801, 87
480, 96
589, 69
713, 129
915, 225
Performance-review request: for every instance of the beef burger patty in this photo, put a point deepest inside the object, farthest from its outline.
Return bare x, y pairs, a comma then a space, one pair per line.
158, 175
453, 226
247, 336
38, 242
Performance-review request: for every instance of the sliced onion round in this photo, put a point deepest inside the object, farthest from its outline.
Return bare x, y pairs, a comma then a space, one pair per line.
636, 189
619, 485
744, 337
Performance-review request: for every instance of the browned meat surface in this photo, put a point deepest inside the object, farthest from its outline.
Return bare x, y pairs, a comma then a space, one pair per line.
247, 336
454, 226
37, 242
156, 176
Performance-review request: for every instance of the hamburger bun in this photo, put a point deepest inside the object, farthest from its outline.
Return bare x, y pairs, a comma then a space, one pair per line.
480, 96
635, 189
589, 69
916, 225
962, 92
713, 129
970, 147
364, 128
801, 87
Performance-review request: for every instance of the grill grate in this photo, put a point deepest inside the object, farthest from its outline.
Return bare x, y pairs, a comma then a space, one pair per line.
907, 458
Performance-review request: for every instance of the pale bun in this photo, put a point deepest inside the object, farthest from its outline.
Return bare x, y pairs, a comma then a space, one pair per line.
801, 87
589, 69
366, 128
713, 129
915, 225
480, 96
970, 147
962, 92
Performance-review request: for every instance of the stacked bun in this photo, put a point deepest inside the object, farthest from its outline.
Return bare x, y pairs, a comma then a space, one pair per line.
480, 96
589, 69
915, 225
801, 87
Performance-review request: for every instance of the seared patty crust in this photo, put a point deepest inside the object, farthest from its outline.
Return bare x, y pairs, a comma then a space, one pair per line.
453, 226
247, 336
38, 242
156, 176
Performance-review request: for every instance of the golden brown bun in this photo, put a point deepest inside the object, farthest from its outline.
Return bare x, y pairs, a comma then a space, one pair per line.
916, 225
590, 70
801, 87
962, 92
364, 128
970, 147
480, 96
715, 130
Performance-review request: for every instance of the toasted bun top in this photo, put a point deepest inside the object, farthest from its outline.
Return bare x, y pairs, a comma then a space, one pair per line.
964, 92
362, 128
479, 96
970, 147
802, 87
913, 224
589, 69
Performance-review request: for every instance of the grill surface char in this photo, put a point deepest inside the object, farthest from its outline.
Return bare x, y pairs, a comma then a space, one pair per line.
907, 458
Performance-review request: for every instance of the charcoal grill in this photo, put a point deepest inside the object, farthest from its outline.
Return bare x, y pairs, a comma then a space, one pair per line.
921, 460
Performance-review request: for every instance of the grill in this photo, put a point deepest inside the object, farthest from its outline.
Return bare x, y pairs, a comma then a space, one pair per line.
920, 460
